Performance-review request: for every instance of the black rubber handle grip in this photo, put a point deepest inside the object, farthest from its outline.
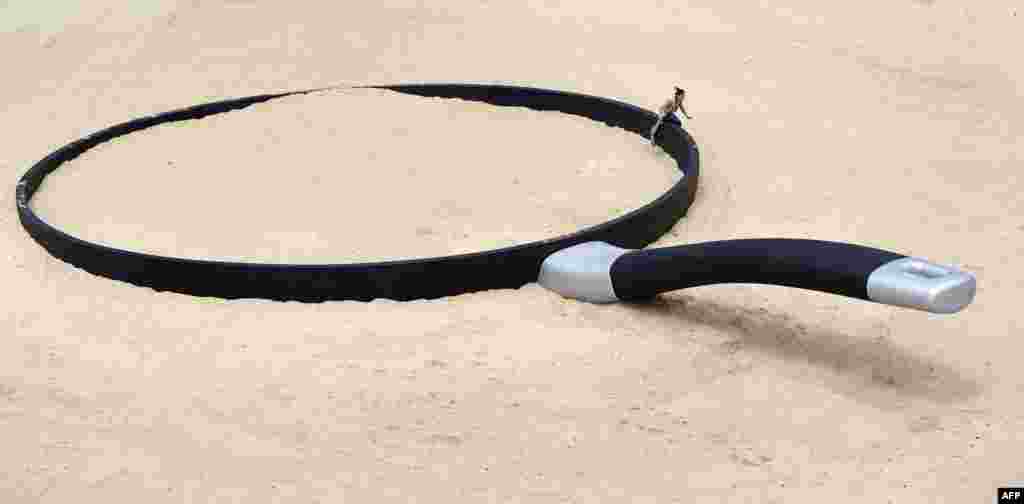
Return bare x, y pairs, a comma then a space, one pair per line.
832, 267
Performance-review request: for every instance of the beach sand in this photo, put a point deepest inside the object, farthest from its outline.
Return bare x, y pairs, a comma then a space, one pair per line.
895, 125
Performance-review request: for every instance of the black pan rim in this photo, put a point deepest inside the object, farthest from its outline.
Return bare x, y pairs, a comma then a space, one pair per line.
399, 280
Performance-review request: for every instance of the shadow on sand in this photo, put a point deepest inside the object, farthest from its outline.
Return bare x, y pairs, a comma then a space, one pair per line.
872, 370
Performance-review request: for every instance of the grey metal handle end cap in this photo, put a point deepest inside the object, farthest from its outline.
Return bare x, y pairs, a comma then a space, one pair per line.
922, 285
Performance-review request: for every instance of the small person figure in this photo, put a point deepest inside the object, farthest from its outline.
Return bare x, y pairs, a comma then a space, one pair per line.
667, 108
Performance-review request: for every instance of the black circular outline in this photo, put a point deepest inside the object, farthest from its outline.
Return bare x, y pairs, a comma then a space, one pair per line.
401, 280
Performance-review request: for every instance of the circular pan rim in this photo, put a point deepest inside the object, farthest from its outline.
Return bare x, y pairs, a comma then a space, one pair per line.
399, 280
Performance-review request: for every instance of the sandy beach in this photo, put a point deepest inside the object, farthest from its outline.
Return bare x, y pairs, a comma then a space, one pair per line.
894, 125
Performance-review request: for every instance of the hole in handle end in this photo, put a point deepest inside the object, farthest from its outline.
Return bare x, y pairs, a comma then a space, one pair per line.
922, 285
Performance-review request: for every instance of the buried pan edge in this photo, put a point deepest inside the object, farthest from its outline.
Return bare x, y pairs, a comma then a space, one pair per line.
402, 280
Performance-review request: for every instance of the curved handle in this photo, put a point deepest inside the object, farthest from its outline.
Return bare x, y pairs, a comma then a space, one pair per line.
599, 272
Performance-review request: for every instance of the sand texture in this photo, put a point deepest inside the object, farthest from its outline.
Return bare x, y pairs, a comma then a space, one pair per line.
891, 124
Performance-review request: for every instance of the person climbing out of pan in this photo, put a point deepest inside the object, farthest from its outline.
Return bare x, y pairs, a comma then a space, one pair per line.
667, 108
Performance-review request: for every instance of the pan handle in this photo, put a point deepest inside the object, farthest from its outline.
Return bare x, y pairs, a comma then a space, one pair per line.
599, 272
